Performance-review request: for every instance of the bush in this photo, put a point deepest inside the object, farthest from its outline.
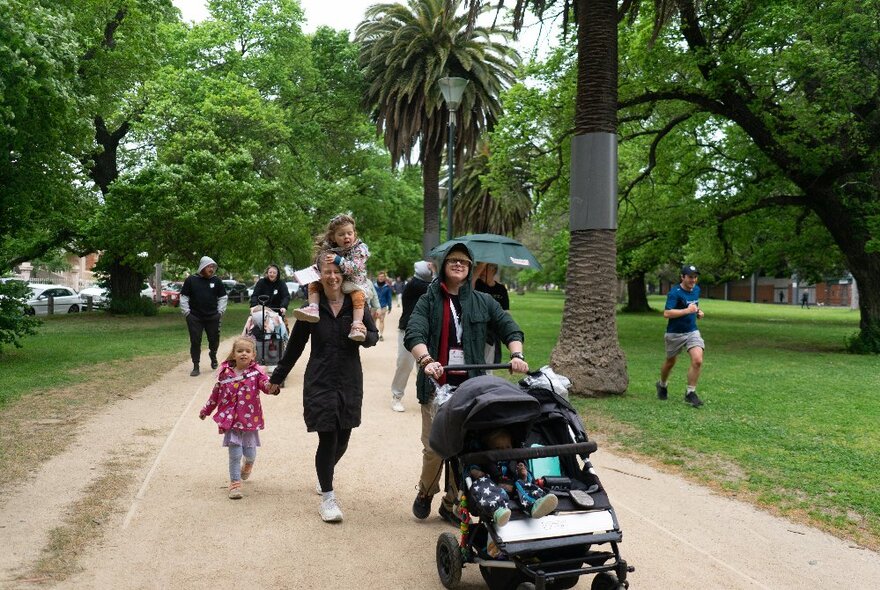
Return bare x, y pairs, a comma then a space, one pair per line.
866, 341
133, 306
14, 324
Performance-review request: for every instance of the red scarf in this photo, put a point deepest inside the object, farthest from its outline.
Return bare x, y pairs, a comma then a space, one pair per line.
443, 352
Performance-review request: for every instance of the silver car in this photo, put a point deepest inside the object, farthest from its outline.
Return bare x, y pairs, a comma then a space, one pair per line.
65, 299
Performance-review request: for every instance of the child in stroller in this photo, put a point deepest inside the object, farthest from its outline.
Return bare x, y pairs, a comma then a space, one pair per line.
494, 482
547, 435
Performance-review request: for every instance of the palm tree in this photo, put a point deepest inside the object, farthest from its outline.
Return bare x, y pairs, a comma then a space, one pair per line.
587, 350
405, 50
478, 210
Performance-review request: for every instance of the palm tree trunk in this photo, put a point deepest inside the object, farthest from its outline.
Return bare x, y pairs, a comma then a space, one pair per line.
587, 351
431, 189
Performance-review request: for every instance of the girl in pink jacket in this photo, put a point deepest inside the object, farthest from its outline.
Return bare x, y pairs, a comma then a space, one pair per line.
236, 398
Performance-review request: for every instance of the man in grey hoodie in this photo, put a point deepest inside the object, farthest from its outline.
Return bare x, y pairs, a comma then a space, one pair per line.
415, 288
203, 301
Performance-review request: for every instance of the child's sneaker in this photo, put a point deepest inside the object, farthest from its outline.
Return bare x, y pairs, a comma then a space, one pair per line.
502, 516
330, 511
544, 505
235, 490
309, 313
358, 332
246, 470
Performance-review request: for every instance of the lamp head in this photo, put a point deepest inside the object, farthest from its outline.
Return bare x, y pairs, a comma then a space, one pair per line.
452, 89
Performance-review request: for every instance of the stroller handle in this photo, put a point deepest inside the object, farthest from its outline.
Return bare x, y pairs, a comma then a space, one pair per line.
584, 448
476, 367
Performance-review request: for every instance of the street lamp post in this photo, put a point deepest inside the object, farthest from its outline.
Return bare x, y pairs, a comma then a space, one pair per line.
452, 89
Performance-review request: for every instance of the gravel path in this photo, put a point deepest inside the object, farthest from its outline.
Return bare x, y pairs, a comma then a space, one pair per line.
176, 528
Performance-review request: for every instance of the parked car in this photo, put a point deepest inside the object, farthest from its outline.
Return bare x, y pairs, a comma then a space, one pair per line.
65, 299
171, 294
236, 291
100, 295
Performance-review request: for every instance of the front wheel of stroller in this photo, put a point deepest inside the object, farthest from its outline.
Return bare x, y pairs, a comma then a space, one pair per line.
449, 560
606, 581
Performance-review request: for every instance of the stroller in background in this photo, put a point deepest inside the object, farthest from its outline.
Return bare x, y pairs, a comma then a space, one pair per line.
266, 326
552, 552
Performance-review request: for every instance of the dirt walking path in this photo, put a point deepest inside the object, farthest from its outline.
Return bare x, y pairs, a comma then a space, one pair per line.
175, 528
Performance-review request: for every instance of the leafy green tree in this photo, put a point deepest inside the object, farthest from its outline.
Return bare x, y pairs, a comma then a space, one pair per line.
405, 50
43, 130
799, 81
14, 323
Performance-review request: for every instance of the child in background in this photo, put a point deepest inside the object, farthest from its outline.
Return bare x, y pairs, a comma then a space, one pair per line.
236, 397
492, 485
351, 256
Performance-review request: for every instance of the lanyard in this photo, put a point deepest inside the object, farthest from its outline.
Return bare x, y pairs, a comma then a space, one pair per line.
455, 321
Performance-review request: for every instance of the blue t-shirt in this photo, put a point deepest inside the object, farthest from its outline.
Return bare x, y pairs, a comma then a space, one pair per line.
678, 298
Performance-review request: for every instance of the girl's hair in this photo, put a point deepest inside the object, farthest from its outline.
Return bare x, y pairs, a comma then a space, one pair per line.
326, 240
252, 344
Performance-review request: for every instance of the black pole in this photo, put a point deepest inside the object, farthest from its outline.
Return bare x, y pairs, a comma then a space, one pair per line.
451, 161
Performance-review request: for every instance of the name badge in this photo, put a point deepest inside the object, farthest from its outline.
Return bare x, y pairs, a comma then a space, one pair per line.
456, 357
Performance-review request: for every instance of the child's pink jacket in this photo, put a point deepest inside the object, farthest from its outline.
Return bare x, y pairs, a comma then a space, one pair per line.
237, 398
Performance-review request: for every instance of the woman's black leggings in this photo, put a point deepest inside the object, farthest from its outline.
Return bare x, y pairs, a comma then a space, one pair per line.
331, 447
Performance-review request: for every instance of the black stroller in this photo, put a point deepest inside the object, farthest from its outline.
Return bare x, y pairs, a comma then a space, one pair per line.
580, 538
267, 328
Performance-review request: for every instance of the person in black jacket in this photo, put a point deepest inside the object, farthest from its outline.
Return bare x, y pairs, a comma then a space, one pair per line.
203, 301
414, 288
275, 288
333, 388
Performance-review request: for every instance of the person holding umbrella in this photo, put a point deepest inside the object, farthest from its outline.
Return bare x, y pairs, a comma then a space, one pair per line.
448, 327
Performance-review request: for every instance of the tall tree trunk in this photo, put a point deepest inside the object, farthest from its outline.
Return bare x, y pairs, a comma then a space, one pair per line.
587, 351
636, 293
431, 181
845, 220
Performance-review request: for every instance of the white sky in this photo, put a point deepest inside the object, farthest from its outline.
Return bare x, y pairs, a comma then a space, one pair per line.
347, 14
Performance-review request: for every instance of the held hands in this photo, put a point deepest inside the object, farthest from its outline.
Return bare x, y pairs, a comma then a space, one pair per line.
201, 416
274, 389
434, 370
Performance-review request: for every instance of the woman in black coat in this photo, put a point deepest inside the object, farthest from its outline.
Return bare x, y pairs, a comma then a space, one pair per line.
333, 388
275, 288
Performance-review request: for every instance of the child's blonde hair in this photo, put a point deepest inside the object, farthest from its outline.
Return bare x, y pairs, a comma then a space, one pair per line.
325, 240
252, 344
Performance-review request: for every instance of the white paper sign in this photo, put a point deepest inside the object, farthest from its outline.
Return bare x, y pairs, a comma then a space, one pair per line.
307, 275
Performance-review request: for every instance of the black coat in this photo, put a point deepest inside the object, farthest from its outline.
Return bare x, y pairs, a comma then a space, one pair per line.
333, 388
279, 295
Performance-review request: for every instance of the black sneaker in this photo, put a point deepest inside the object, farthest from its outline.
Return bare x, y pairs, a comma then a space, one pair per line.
214, 361
449, 516
195, 371
662, 391
693, 399
422, 506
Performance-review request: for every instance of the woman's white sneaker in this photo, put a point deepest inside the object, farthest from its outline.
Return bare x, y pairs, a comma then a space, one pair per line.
330, 511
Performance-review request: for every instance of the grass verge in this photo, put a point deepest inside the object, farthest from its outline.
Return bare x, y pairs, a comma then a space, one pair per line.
790, 418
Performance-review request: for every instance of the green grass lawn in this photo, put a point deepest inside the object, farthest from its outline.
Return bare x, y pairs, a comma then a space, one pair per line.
790, 421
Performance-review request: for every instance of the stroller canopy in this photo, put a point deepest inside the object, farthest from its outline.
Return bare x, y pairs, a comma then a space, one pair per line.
481, 403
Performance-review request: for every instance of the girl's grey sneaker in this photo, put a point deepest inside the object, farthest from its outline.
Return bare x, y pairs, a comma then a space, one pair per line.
309, 313
330, 511
544, 505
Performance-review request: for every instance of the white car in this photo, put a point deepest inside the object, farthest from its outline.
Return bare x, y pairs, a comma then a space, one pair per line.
99, 295
65, 299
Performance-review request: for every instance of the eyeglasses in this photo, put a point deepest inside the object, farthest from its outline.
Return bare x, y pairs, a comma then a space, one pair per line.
458, 261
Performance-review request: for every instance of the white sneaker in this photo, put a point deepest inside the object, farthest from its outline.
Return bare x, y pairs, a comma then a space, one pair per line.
330, 511
318, 489
396, 405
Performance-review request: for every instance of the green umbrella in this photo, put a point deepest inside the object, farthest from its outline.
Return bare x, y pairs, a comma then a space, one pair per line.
492, 248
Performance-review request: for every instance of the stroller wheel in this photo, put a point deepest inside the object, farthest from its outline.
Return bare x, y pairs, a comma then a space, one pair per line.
605, 581
526, 586
449, 561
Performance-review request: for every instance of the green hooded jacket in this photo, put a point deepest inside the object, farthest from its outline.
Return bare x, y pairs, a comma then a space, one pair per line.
479, 312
